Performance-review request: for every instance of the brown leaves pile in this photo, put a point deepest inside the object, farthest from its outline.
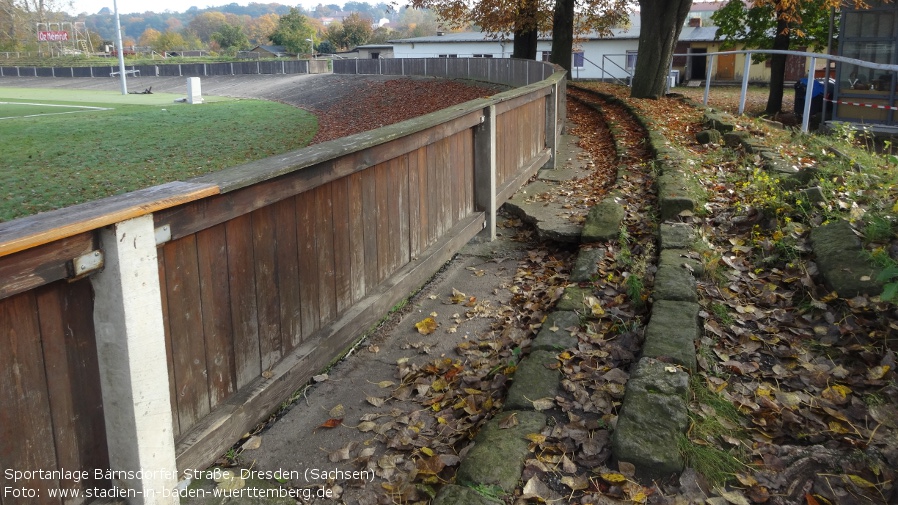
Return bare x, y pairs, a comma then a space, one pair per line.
384, 103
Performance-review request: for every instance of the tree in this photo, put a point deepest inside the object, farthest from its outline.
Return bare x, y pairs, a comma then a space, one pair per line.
205, 24
773, 25
293, 32
334, 34
660, 24
258, 29
356, 29
230, 37
326, 47
168, 41
149, 37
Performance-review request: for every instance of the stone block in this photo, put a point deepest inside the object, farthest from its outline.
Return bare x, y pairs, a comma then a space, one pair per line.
586, 265
676, 236
681, 258
652, 420
708, 137
672, 332
841, 260
603, 222
573, 299
549, 339
498, 455
674, 283
452, 494
534, 380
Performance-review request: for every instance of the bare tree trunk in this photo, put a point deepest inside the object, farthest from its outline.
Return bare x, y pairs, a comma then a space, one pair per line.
661, 22
563, 33
778, 68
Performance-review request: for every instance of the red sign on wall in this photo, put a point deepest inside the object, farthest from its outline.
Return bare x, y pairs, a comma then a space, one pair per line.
53, 36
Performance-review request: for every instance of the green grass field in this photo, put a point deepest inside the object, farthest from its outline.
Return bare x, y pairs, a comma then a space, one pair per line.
53, 160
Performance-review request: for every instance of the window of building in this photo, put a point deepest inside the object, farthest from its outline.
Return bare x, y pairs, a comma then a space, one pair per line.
578, 59
375, 56
483, 55
631, 60
447, 55
546, 55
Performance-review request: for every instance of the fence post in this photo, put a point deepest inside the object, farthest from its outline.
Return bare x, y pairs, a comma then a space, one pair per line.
133, 364
485, 167
552, 127
809, 92
744, 93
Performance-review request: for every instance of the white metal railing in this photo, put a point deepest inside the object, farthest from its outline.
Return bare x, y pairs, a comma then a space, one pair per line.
806, 116
606, 58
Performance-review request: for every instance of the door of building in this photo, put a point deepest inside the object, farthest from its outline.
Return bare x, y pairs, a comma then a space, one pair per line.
726, 67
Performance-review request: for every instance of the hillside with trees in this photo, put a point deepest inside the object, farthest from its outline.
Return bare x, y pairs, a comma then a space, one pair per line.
223, 29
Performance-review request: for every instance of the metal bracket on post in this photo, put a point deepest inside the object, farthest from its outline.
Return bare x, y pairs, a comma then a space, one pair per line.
162, 234
84, 265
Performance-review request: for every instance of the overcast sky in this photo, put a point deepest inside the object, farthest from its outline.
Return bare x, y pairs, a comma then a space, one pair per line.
130, 6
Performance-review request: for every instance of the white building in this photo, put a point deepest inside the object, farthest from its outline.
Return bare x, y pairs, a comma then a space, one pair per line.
611, 57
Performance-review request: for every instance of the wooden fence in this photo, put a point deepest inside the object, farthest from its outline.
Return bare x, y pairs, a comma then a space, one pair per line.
149, 331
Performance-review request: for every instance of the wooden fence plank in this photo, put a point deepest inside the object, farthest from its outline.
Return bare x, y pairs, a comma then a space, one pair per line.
308, 263
457, 168
73, 379
324, 244
267, 298
433, 192
357, 237
26, 427
288, 275
415, 238
425, 233
382, 227
169, 353
393, 216
342, 244
212, 251
241, 271
402, 185
185, 316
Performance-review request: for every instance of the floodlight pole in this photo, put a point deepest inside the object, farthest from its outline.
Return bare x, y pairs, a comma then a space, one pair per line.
121, 50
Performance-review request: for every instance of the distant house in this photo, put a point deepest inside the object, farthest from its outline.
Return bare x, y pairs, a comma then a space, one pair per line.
271, 52
374, 51
594, 56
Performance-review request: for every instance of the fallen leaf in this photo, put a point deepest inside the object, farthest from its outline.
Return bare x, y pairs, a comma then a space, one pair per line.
337, 411
510, 421
367, 426
837, 394
377, 402
331, 423
426, 326
253, 443
576, 482
543, 404
229, 480
319, 378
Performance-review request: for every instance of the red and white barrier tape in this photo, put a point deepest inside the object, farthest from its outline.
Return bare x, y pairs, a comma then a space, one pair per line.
858, 104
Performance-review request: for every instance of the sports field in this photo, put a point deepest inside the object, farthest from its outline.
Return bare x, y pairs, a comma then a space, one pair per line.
67, 146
